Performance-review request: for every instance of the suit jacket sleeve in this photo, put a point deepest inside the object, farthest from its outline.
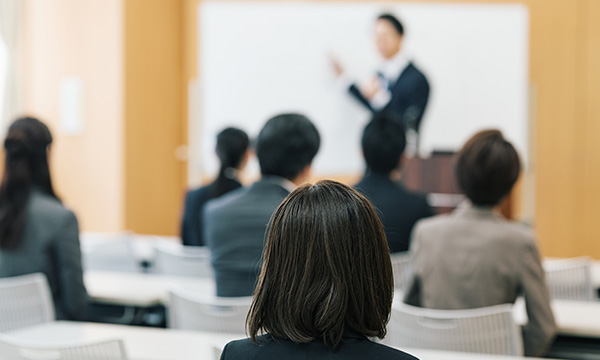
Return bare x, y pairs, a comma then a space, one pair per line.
416, 103
74, 299
540, 330
413, 293
186, 220
355, 92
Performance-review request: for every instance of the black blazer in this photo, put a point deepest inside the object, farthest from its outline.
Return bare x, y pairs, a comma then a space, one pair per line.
398, 209
355, 346
410, 93
191, 224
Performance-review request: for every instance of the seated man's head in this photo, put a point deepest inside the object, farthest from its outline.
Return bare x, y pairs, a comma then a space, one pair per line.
286, 146
383, 143
487, 168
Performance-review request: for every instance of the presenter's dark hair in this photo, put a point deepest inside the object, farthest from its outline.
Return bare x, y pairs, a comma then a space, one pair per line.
326, 268
383, 142
232, 145
25, 167
394, 21
487, 168
286, 145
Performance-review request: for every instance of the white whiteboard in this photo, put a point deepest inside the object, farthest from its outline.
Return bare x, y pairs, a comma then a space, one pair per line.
260, 59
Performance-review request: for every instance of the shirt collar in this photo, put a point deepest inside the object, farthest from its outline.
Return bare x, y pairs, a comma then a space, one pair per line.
392, 68
281, 181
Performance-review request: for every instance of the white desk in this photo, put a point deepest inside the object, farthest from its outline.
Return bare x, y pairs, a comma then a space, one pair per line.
577, 318
138, 289
596, 274
160, 344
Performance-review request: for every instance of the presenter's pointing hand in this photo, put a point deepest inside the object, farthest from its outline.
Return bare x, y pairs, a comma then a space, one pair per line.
337, 66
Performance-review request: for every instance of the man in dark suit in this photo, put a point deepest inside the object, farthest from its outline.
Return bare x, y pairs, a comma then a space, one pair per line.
399, 86
383, 143
235, 224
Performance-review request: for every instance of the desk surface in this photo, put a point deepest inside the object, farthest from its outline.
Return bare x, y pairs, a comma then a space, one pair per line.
138, 289
160, 344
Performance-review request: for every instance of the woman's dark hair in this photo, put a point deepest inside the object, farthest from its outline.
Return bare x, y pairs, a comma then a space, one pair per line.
326, 268
232, 145
394, 21
383, 142
25, 167
487, 168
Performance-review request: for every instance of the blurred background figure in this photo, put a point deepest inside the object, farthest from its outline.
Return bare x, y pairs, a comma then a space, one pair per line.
235, 224
37, 233
474, 257
399, 86
383, 144
233, 152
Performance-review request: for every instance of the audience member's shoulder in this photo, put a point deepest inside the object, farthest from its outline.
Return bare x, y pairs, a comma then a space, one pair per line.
386, 352
44, 205
520, 232
244, 348
226, 200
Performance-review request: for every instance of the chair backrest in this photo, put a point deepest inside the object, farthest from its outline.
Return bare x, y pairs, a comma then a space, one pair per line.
570, 279
207, 313
402, 267
108, 252
179, 260
12, 349
489, 330
25, 301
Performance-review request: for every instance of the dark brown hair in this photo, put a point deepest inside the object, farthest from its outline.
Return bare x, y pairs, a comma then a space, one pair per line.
26, 167
487, 168
326, 268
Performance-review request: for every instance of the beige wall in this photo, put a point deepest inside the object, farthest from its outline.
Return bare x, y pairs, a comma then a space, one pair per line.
83, 39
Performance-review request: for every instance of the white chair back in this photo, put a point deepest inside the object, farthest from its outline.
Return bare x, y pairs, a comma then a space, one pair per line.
12, 349
25, 301
402, 267
570, 279
179, 260
108, 252
489, 330
207, 313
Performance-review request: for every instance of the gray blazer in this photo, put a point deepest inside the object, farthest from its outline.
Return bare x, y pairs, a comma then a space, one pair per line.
474, 258
234, 230
50, 245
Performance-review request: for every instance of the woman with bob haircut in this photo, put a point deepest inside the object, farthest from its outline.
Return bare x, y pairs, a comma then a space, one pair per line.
474, 257
326, 283
37, 233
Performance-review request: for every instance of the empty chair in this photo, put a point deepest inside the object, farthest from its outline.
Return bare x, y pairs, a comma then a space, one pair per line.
402, 267
108, 252
12, 349
569, 279
25, 301
489, 330
180, 260
207, 313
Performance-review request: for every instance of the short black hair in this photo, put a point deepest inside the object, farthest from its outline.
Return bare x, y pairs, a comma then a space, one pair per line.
394, 21
487, 168
383, 142
286, 145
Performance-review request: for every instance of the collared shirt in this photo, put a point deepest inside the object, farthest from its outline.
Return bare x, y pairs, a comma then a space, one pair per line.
281, 181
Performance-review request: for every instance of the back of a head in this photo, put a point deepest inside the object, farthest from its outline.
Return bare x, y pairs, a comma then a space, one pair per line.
26, 166
231, 148
383, 142
487, 168
286, 145
326, 268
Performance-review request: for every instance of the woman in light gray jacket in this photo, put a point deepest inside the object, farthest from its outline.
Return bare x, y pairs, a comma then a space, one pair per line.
37, 233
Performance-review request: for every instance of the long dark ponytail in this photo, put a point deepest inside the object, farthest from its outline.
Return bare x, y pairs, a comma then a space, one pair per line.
25, 167
232, 145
